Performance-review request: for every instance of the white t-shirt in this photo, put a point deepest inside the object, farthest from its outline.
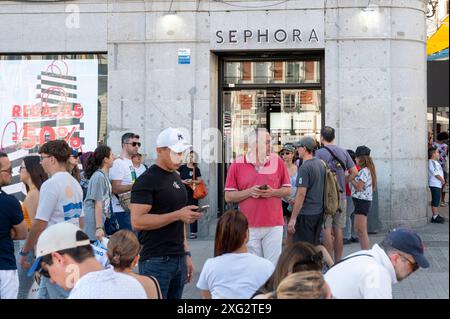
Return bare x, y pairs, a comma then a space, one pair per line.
234, 276
363, 277
140, 170
367, 191
434, 168
60, 200
107, 284
122, 170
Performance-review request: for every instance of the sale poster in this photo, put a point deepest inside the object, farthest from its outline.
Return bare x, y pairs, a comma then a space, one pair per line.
44, 100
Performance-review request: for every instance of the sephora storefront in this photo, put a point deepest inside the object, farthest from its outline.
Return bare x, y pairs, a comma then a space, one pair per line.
217, 69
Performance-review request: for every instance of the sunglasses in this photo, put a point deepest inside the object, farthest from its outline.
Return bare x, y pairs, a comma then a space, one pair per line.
134, 144
414, 265
44, 273
286, 153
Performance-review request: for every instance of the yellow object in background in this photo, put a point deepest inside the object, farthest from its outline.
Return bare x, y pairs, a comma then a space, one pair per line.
439, 40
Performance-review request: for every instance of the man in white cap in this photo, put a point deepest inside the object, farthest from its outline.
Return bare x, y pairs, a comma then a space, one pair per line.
64, 254
159, 212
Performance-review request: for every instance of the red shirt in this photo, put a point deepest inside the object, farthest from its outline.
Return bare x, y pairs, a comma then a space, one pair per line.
260, 212
348, 192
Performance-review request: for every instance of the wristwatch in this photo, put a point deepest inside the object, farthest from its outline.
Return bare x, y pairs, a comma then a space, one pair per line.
187, 253
21, 253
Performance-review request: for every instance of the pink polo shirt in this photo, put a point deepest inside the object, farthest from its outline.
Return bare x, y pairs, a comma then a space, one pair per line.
260, 212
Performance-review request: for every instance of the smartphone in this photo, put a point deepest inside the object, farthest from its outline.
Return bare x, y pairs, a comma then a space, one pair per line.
202, 209
263, 187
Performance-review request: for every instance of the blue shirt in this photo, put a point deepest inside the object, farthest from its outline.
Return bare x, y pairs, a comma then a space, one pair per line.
10, 215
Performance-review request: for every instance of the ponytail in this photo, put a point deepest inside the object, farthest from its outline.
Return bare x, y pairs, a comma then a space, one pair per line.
95, 161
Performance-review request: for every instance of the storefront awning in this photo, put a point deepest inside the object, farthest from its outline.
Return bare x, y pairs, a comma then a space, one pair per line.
439, 40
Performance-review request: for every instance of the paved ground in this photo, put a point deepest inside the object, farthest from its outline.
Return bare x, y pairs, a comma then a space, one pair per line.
432, 283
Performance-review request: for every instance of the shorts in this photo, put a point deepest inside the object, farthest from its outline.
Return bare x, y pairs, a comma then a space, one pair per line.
339, 218
286, 212
308, 228
435, 196
362, 207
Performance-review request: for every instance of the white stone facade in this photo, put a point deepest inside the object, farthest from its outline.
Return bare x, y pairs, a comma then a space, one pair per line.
375, 72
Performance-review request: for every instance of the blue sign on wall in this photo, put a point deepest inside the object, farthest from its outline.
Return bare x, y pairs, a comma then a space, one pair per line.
184, 56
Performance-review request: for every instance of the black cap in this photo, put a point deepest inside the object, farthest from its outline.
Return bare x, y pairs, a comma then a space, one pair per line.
362, 150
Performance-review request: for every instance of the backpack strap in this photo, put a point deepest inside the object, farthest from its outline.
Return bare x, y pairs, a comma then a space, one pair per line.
345, 259
336, 158
158, 289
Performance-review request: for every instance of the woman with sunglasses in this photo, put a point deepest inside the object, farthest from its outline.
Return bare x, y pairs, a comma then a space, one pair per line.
72, 165
288, 155
33, 176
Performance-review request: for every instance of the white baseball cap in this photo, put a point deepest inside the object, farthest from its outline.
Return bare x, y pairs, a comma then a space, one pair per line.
57, 237
173, 139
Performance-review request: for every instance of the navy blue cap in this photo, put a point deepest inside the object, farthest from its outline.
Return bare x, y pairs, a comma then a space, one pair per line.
75, 153
407, 241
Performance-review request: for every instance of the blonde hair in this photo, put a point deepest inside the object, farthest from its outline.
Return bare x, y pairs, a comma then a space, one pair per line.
302, 285
123, 247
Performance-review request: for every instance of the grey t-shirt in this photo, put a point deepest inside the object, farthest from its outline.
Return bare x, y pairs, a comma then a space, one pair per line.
99, 189
311, 175
343, 156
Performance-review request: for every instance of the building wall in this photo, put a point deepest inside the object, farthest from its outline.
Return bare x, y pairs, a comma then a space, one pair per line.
375, 75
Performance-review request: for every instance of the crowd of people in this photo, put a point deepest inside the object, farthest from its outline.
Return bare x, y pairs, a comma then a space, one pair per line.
282, 241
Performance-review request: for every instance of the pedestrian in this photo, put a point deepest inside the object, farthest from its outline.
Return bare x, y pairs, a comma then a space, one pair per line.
33, 176
302, 285
12, 227
65, 256
60, 200
123, 255
307, 212
84, 182
257, 181
349, 230
288, 154
435, 181
187, 172
442, 146
139, 166
97, 205
72, 164
122, 175
301, 256
369, 274
159, 213
362, 188
233, 273
340, 162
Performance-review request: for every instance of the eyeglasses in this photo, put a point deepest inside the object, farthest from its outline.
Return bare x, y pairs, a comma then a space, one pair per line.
134, 144
22, 167
286, 153
8, 170
414, 265
44, 157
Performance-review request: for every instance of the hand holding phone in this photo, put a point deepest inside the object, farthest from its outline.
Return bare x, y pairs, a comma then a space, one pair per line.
263, 187
202, 209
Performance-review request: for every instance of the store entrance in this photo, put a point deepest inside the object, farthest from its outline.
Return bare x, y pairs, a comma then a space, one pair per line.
283, 96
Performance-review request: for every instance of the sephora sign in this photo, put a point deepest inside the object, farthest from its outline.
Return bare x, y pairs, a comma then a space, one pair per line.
295, 35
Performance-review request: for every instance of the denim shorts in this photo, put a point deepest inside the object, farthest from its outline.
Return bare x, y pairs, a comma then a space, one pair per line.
362, 207
435, 196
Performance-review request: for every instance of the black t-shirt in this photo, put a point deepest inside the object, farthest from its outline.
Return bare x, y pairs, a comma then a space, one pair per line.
10, 215
166, 193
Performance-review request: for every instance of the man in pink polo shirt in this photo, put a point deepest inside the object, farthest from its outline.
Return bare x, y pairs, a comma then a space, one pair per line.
257, 181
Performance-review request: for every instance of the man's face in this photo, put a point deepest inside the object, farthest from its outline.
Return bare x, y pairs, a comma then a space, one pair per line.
262, 146
137, 160
63, 271
404, 265
47, 161
5, 171
170, 159
131, 147
301, 151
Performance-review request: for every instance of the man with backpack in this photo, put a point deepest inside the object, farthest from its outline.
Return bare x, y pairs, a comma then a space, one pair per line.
340, 162
307, 212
